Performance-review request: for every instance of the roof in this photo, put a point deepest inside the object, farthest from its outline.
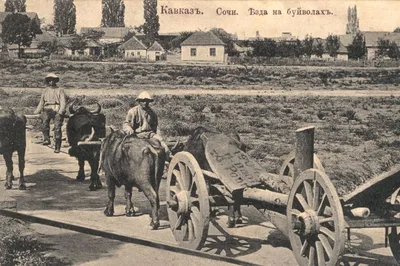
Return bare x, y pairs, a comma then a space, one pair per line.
372, 37
31, 15
342, 47
133, 44
156, 47
65, 41
93, 43
109, 32
202, 38
39, 38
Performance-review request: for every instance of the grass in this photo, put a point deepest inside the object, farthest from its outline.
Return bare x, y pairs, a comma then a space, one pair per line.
18, 246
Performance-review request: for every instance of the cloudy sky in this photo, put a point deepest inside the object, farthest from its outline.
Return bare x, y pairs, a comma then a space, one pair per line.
374, 16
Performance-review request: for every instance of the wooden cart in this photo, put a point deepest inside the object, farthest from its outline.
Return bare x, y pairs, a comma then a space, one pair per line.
312, 215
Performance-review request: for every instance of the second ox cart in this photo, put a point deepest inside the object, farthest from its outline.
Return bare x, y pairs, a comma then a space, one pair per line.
310, 213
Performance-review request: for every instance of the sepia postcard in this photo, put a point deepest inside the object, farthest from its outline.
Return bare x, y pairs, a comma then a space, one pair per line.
178, 132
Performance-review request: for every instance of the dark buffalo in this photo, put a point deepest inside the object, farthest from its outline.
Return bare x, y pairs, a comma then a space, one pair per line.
85, 125
13, 138
133, 162
196, 147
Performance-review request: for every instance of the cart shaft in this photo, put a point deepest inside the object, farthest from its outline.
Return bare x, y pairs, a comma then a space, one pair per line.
266, 196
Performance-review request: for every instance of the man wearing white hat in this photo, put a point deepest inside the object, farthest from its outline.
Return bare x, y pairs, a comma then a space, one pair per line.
142, 121
52, 105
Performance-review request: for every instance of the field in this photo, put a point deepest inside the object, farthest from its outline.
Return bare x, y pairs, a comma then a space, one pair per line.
356, 137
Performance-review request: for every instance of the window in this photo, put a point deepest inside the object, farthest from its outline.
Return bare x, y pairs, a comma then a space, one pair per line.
138, 53
212, 52
193, 51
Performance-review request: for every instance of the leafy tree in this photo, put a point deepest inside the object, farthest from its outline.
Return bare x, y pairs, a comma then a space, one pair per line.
151, 25
397, 30
266, 47
393, 51
15, 6
64, 16
308, 45
113, 13
332, 45
129, 35
318, 49
176, 42
357, 49
19, 29
50, 47
78, 43
299, 48
383, 48
226, 38
353, 24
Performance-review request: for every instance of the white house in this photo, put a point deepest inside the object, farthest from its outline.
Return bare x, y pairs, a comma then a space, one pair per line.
156, 52
133, 48
203, 46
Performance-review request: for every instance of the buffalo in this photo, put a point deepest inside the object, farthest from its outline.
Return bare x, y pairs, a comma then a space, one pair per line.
196, 147
85, 125
133, 162
13, 138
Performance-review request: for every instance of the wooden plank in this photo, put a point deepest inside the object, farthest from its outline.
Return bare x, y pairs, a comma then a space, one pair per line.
235, 168
376, 189
373, 221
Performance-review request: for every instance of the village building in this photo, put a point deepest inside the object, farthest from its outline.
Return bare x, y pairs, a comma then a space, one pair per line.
111, 34
156, 52
343, 54
203, 46
133, 48
371, 40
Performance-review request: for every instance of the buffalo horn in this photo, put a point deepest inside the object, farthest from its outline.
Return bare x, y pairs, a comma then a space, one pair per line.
176, 144
71, 109
98, 109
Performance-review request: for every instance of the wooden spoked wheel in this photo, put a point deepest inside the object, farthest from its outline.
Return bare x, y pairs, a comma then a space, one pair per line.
287, 168
394, 236
187, 200
316, 226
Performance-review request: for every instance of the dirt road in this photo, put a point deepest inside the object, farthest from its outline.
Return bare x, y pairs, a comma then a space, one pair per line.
54, 194
180, 90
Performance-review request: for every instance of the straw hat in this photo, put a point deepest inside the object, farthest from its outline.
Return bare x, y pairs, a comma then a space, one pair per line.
52, 76
144, 96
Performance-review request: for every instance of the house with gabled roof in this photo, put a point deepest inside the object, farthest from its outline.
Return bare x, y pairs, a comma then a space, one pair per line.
156, 52
133, 48
203, 47
342, 53
371, 40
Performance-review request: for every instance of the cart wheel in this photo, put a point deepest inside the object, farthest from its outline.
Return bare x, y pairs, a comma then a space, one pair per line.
394, 243
394, 237
188, 203
315, 220
287, 168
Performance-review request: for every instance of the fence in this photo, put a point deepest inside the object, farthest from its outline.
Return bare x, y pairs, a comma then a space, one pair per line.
276, 61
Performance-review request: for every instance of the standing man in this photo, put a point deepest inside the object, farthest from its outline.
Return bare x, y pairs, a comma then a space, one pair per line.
52, 106
143, 122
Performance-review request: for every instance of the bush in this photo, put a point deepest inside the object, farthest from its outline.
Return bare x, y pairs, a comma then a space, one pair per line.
198, 106
216, 108
109, 103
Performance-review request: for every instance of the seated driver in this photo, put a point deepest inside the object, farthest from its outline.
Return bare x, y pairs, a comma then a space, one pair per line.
142, 121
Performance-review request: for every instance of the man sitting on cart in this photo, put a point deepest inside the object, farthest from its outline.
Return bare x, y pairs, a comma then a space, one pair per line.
142, 121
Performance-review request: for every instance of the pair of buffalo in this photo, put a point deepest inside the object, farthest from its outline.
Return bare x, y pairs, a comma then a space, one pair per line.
125, 160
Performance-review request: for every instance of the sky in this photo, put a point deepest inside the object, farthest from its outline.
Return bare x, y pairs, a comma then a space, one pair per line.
373, 15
